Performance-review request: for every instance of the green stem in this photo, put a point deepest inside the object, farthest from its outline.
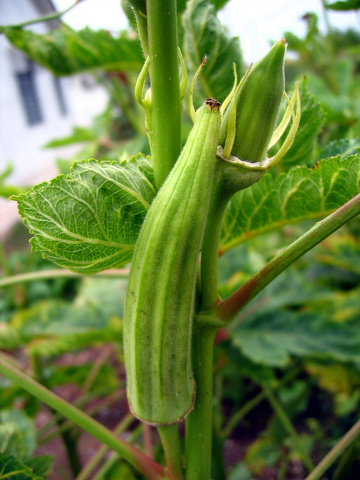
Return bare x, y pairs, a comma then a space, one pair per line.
165, 86
79, 402
170, 440
53, 16
254, 402
149, 468
230, 307
335, 453
99, 455
65, 425
100, 475
210, 253
240, 414
101, 359
289, 427
56, 273
199, 422
141, 23
68, 438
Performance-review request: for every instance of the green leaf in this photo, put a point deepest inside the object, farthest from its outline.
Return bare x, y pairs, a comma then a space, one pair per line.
13, 469
300, 194
312, 119
78, 135
41, 465
89, 221
205, 35
272, 338
344, 5
343, 147
17, 433
67, 52
52, 328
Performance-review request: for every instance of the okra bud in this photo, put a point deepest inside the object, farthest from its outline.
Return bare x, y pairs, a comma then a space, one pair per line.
257, 106
161, 289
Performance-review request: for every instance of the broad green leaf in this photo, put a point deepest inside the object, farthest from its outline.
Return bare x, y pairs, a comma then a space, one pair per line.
41, 465
17, 433
312, 119
343, 147
13, 469
89, 220
300, 194
67, 52
273, 337
79, 134
339, 107
344, 5
205, 35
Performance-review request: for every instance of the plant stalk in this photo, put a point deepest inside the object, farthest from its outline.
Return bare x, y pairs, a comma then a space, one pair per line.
101, 452
47, 18
198, 438
141, 23
289, 427
165, 87
170, 440
67, 436
335, 453
148, 467
230, 307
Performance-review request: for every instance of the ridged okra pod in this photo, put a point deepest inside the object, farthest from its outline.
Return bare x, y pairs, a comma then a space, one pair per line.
161, 289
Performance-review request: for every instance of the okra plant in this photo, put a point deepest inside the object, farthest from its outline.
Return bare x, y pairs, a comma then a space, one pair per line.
179, 198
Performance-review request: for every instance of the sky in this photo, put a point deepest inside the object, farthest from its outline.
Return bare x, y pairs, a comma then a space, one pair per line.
257, 23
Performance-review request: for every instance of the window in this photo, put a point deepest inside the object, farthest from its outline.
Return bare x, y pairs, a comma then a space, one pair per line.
25, 77
60, 96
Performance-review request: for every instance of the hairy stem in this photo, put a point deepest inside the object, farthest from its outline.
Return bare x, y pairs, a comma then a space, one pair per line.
335, 453
170, 440
230, 307
165, 86
141, 23
147, 466
199, 422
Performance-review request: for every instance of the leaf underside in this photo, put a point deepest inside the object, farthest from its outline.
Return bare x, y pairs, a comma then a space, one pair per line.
89, 221
66, 52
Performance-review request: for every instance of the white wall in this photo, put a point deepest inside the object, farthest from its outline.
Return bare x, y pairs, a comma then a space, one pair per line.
22, 143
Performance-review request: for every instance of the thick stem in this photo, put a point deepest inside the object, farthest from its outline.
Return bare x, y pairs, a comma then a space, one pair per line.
230, 307
210, 253
170, 440
335, 453
149, 468
289, 427
56, 273
199, 422
165, 86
